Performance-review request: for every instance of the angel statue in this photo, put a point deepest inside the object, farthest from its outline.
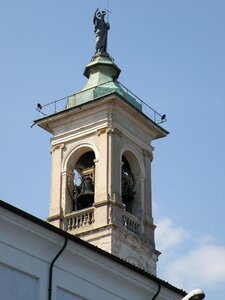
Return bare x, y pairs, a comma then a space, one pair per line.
101, 31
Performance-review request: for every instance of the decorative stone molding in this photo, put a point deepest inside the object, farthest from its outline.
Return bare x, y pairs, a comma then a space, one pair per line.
54, 218
117, 132
101, 131
116, 198
56, 147
149, 224
148, 154
114, 130
101, 203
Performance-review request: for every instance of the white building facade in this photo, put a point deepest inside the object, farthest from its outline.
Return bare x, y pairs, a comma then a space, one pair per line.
28, 247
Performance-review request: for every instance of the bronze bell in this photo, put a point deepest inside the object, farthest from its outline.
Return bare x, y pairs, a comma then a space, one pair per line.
85, 196
87, 186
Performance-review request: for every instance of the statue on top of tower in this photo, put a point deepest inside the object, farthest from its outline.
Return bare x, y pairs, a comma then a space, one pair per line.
101, 31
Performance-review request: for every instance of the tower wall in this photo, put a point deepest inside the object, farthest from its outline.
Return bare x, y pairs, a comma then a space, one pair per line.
118, 136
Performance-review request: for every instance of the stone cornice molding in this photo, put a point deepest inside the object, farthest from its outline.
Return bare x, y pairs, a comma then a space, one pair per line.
147, 153
56, 147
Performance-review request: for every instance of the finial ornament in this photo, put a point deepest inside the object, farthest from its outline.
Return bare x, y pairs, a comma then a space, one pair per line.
101, 31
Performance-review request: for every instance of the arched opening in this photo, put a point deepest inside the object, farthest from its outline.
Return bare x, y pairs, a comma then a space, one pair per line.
127, 185
80, 179
130, 183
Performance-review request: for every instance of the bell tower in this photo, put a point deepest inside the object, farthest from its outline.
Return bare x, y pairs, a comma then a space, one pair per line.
101, 165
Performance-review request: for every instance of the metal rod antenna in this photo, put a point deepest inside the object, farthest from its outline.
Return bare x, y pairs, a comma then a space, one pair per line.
108, 11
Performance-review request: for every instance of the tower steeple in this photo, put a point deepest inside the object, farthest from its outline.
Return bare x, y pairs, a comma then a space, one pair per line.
101, 167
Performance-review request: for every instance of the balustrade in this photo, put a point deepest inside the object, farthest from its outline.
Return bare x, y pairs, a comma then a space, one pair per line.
79, 219
131, 223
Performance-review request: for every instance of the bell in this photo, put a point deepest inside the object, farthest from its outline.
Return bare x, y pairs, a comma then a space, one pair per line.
86, 196
87, 187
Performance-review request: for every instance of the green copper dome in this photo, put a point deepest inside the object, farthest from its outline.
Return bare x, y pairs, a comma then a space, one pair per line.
102, 76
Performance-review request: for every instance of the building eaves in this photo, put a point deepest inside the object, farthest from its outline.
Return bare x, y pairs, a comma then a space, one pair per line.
87, 245
81, 106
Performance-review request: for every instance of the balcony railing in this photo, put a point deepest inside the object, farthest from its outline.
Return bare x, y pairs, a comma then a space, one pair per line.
61, 104
131, 223
83, 220
79, 219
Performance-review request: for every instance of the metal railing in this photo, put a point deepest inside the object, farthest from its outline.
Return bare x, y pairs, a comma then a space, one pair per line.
60, 104
146, 109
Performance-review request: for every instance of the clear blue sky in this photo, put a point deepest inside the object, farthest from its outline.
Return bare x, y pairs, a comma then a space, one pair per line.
172, 55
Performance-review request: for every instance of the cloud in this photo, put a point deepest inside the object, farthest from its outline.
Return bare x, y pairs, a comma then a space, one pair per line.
204, 266
206, 239
189, 264
168, 235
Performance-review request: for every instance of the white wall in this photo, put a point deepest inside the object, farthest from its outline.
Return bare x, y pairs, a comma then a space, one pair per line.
27, 249
65, 295
17, 285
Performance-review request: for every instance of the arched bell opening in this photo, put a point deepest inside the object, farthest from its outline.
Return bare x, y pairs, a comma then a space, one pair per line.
127, 185
80, 179
130, 184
